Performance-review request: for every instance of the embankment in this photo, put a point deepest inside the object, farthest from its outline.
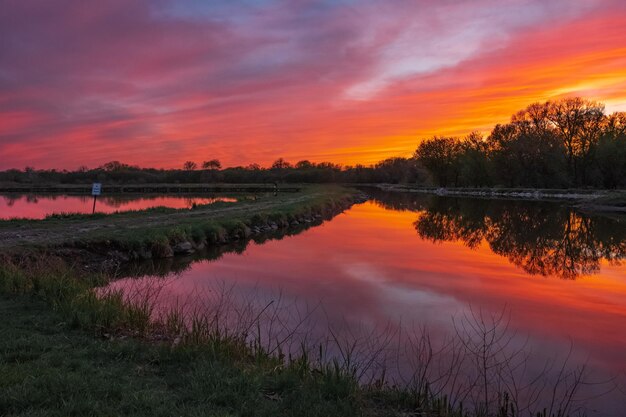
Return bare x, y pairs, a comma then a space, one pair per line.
108, 240
591, 200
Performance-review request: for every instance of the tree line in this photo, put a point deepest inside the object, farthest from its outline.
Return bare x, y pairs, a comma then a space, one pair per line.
393, 170
557, 144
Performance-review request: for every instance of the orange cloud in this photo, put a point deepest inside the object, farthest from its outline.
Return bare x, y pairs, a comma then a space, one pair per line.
159, 85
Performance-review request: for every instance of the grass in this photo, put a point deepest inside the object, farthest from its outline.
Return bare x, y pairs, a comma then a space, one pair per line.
67, 350
49, 369
149, 231
207, 230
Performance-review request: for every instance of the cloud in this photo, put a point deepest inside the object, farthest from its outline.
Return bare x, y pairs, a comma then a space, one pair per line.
87, 82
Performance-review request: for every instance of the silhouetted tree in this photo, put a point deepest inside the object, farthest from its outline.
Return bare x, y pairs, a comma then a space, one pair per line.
280, 163
115, 166
578, 123
555, 144
611, 151
475, 161
523, 156
397, 170
304, 164
440, 156
190, 166
212, 164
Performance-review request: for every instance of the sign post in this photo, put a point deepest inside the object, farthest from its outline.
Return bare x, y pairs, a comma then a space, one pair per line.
96, 189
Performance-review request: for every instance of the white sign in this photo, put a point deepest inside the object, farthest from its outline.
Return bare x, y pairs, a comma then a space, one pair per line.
96, 188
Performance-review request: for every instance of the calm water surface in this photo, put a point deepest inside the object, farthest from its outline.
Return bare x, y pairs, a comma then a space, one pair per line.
415, 261
40, 206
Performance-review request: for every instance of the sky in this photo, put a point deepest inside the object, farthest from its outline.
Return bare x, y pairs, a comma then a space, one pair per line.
159, 82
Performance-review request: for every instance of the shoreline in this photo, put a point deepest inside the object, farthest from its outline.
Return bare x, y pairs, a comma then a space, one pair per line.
140, 236
588, 200
157, 188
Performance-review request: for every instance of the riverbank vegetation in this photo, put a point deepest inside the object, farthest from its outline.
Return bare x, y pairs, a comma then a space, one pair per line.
164, 232
567, 143
60, 325
557, 144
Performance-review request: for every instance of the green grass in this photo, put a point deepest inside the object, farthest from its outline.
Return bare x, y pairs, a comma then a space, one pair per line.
151, 230
66, 352
49, 369
212, 230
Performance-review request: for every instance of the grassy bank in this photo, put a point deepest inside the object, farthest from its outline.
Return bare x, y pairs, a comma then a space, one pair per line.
163, 232
70, 347
49, 369
58, 330
67, 352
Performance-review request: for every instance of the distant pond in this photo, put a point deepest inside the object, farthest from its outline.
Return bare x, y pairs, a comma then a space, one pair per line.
33, 206
551, 278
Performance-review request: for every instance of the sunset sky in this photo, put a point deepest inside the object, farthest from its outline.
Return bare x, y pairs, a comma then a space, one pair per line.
158, 82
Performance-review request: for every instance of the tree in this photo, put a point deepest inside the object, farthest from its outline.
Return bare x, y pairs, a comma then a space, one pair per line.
327, 165
212, 164
280, 163
304, 164
190, 166
440, 156
611, 151
114, 166
397, 170
474, 160
578, 123
523, 156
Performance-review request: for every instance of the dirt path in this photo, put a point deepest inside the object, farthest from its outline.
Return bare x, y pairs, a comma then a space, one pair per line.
56, 231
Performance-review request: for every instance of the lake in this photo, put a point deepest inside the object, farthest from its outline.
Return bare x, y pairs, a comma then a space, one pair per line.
31, 206
550, 279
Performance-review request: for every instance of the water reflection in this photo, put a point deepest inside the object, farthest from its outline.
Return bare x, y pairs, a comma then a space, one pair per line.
368, 269
177, 265
35, 206
546, 239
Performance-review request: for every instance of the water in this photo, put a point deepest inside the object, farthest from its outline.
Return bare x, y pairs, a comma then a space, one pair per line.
401, 261
39, 206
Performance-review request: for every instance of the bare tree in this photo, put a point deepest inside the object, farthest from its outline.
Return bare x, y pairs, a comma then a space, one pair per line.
190, 166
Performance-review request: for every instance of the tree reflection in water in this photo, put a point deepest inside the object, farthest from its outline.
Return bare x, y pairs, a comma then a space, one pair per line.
542, 238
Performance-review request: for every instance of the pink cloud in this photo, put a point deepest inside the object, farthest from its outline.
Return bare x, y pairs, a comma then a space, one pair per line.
84, 83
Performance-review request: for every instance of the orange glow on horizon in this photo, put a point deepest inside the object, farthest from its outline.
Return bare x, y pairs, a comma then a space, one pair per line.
147, 113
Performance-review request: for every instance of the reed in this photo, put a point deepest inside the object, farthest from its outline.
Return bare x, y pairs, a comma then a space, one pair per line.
477, 371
